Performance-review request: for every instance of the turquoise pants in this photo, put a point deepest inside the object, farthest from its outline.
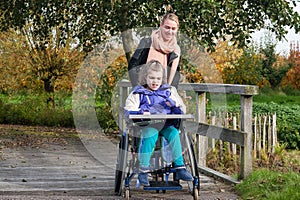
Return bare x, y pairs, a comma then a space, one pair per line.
148, 140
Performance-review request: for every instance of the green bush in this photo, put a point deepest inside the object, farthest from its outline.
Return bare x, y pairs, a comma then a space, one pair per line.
288, 121
106, 119
289, 90
34, 110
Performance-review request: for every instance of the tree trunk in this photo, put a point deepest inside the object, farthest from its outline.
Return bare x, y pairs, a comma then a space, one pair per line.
128, 43
49, 88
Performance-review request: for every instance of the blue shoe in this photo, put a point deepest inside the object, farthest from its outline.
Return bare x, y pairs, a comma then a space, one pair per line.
143, 176
183, 174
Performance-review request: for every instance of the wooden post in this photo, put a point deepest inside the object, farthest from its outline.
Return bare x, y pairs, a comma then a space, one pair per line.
202, 141
234, 145
264, 134
123, 95
255, 138
269, 134
259, 137
226, 124
246, 126
219, 123
274, 133
213, 122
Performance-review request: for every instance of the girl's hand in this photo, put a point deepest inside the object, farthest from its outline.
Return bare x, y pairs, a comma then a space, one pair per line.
146, 113
168, 103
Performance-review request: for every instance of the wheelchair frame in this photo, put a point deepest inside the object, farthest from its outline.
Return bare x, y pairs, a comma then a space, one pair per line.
127, 168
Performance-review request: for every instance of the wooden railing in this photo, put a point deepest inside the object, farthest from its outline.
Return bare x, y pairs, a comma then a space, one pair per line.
203, 131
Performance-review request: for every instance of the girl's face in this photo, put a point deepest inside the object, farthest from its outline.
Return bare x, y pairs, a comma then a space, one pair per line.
168, 29
154, 79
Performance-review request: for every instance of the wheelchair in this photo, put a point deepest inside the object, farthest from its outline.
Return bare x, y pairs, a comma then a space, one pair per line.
162, 174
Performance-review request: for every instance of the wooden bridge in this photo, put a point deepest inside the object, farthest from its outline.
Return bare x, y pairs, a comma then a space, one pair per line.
70, 171
73, 172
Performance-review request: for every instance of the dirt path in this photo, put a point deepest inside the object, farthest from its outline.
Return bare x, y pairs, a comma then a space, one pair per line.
57, 165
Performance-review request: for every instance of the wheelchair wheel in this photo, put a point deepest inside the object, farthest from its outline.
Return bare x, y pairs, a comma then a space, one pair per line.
191, 164
127, 194
196, 193
121, 164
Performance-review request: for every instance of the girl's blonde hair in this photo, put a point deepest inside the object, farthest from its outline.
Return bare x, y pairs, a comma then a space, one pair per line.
152, 65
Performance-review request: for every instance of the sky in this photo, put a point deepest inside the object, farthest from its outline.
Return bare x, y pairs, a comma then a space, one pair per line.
283, 47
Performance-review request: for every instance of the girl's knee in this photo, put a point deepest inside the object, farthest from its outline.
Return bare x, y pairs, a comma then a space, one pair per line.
149, 132
171, 133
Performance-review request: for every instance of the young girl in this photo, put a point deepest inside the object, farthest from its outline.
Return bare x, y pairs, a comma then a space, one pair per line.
154, 96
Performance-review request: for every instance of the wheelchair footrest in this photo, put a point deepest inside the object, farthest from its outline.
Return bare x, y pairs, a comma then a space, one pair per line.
162, 185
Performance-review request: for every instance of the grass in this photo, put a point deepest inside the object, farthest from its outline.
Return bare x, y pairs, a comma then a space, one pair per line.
278, 97
276, 179
268, 95
270, 185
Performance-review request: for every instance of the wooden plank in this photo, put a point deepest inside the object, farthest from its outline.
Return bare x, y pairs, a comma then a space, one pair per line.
210, 172
211, 88
220, 88
220, 133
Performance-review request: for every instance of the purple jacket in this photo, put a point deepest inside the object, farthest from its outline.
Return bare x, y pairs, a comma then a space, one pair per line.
154, 101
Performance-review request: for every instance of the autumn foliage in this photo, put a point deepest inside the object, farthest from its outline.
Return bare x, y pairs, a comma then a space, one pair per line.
262, 66
26, 68
110, 78
292, 78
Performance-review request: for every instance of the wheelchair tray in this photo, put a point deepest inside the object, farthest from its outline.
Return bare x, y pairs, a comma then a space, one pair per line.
160, 116
162, 185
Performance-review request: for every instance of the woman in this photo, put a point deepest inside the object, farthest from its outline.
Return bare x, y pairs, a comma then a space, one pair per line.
154, 96
163, 47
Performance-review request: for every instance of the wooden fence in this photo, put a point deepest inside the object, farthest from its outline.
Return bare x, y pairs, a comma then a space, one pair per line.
264, 132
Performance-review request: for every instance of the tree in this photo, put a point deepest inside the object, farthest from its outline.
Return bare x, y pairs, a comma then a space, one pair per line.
252, 65
22, 68
225, 56
267, 51
206, 21
292, 78
47, 26
245, 69
274, 67
13, 73
51, 25
90, 21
